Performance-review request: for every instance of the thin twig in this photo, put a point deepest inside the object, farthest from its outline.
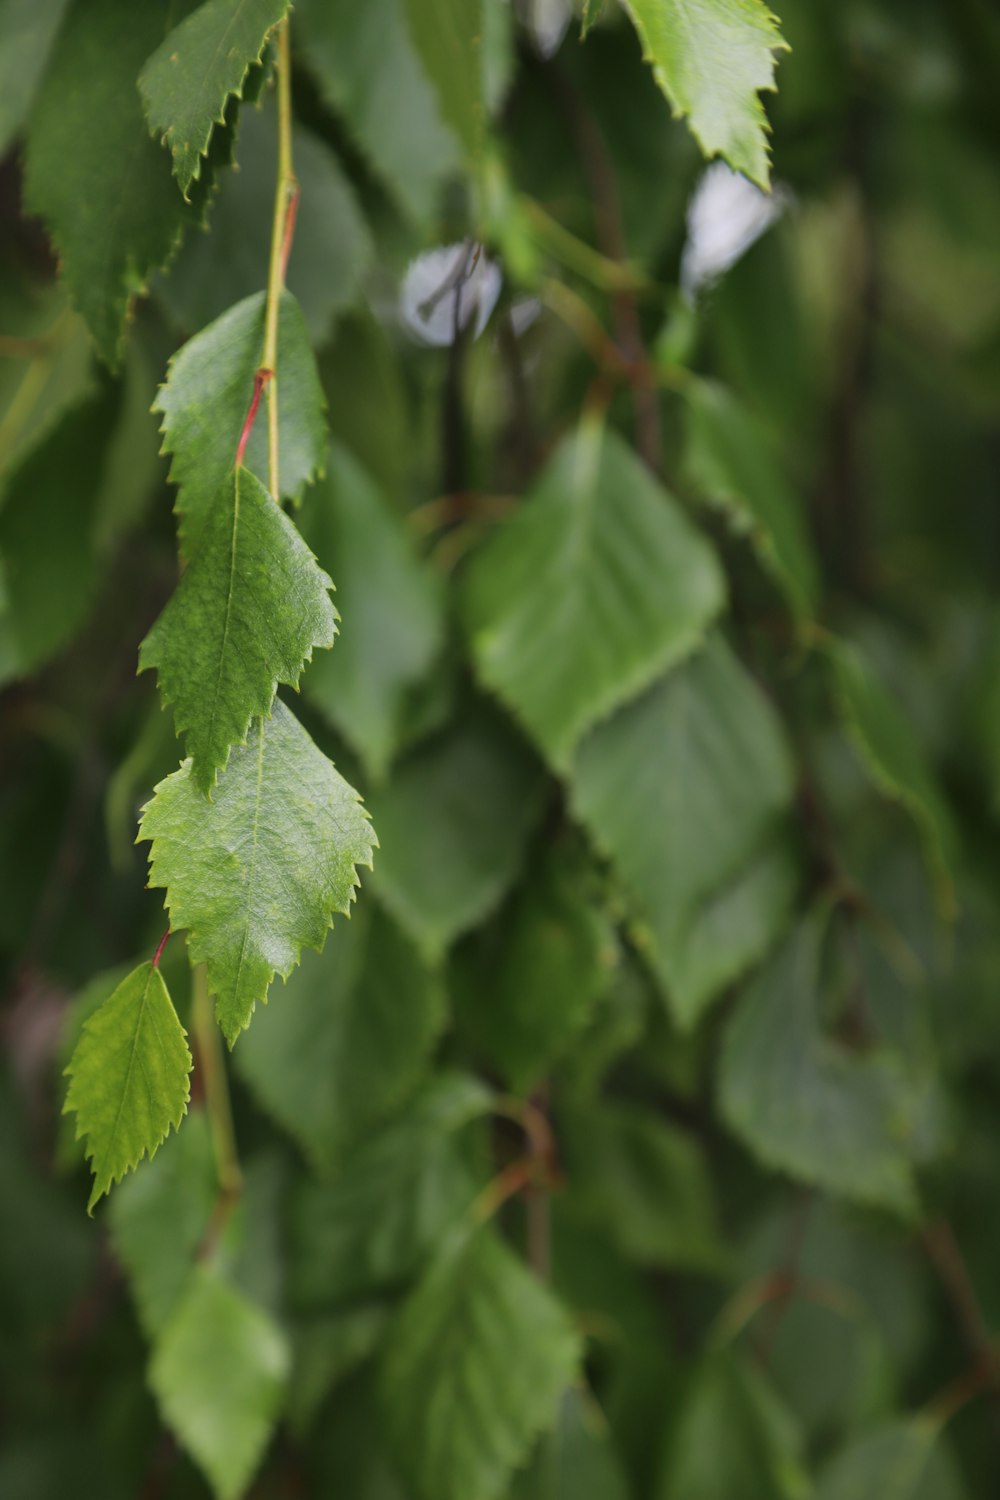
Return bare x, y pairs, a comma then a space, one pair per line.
286, 202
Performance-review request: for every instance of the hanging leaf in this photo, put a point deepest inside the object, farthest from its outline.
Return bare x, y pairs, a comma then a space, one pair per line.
712, 60
370, 75
597, 585
453, 822
680, 789
576, 1460
895, 761
448, 35
363, 688
256, 873
247, 614
376, 1221
473, 1371
129, 1077
734, 1439
731, 930
729, 463
643, 1180
197, 69
529, 986
206, 397
110, 228
904, 1460
218, 1371
800, 1101
350, 1039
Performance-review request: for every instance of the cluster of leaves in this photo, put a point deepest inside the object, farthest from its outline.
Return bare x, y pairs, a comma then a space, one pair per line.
635, 1136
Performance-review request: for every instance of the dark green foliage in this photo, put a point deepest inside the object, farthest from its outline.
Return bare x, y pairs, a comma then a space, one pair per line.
567, 581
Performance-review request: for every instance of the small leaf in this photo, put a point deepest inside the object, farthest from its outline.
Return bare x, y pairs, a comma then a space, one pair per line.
597, 584
363, 687
448, 37
473, 1371
375, 1222
256, 873
111, 227
370, 75
576, 1460
800, 1101
643, 1180
247, 614
159, 1217
197, 69
729, 463
730, 930
218, 1372
453, 822
892, 755
351, 1038
206, 397
734, 1439
679, 789
527, 988
712, 60
904, 1460
129, 1077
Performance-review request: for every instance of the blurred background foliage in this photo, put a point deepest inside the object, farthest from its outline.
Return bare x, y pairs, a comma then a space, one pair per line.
775, 1214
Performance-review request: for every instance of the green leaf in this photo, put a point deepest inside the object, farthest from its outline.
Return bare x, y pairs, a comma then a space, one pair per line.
597, 584
159, 1218
893, 758
29, 29
731, 929
218, 1372
375, 1222
575, 1461
448, 37
129, 1077
453, 822
197, 69
645, 1181
799, 1100
473, 1371
728, 462
712, 60
50, 567
326, 1349
331, 251
247, 614
349, 1041
680, 789
369, 73
530, 985
206, 397
256, 873
363, 688
901, 1461
111, 228
734, 1439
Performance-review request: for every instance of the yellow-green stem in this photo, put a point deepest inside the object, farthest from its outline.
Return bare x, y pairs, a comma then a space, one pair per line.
284, 192
212, 1065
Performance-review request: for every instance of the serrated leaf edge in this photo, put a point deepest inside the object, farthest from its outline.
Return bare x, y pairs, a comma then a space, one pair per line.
146, 1151
165, 136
